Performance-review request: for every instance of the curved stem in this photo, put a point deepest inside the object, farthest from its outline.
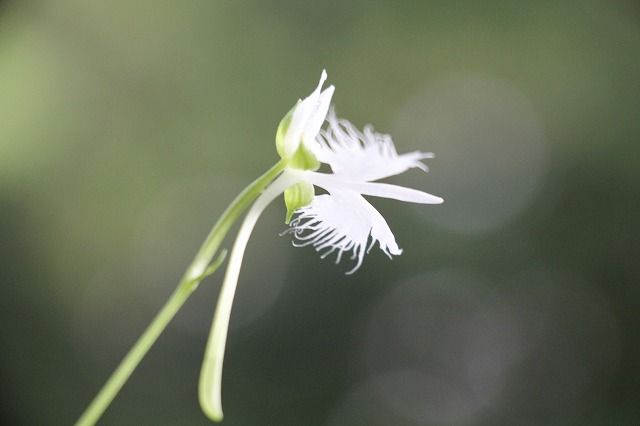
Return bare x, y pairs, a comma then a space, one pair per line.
228, 218
199, 268
210, 386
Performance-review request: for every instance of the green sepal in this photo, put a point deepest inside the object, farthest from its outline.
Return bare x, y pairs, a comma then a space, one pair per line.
304, 159
296, 196
283, 127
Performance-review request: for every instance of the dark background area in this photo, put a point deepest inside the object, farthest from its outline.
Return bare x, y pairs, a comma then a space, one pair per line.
126, 128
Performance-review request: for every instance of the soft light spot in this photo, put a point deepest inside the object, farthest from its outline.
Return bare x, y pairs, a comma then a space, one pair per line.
491, 151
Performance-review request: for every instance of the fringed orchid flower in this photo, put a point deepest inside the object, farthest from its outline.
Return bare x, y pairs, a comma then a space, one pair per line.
341, 221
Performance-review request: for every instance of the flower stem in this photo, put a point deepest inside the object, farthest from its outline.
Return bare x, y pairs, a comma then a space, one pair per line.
200, 267
210, 387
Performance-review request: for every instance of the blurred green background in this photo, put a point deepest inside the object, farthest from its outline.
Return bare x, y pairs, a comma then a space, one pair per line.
127, 127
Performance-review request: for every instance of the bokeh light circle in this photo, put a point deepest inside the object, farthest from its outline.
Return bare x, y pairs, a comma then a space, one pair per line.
491, 150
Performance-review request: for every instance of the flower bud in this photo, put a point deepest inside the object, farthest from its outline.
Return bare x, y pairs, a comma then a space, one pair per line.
296, 196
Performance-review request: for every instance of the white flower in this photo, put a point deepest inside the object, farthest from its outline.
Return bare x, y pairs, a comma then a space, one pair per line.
343, 220
340, 222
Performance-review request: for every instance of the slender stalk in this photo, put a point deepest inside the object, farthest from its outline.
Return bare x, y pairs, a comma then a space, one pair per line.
210, 387
199, 268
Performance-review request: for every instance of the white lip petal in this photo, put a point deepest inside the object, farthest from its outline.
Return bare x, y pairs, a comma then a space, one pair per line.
364, 156
342, 223
308, 114
333, 182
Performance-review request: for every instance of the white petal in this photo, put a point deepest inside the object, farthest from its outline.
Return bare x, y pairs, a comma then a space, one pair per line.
363, 155
342, 223
307, 114
333, 182
318, 116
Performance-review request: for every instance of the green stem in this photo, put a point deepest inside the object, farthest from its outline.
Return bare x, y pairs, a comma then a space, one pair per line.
210, 387
199, 268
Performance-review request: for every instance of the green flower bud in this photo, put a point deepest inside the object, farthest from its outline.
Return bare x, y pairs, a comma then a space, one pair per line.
299, 195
